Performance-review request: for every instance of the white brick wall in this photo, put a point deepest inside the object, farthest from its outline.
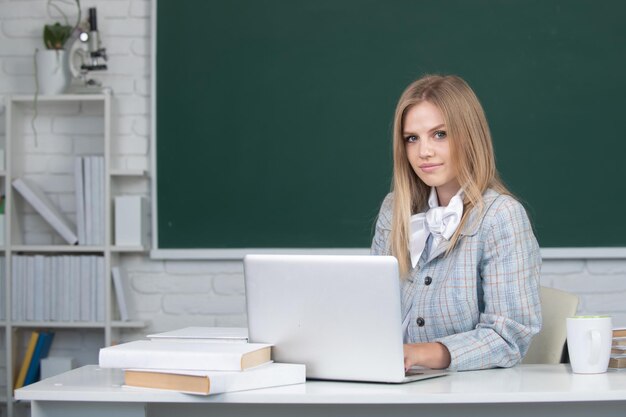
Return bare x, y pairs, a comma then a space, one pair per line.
174, 294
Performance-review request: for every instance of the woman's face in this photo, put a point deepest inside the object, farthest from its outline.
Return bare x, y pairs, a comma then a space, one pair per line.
428, 149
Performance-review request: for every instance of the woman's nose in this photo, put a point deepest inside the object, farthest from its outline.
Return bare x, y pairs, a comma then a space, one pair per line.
425, 149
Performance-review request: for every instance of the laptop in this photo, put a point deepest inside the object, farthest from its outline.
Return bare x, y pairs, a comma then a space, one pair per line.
337, 314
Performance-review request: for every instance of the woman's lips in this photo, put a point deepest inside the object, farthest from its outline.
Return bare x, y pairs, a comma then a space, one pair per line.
430, 167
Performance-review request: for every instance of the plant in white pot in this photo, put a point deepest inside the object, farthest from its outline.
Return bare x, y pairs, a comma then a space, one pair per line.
52, 70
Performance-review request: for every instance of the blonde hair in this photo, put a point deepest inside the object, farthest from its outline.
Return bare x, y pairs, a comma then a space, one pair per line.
471, 151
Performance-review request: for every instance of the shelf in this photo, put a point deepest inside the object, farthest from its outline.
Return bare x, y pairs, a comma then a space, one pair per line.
129, 173
19, 109
77, 324
129, 249
57, 248
128, 324
23, 98
59, 324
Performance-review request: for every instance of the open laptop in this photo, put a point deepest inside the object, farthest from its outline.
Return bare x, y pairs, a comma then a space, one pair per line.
337, 314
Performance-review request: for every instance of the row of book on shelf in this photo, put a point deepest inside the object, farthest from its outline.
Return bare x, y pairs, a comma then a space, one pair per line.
57, 288
63, 288
37, 349
89, 186
200, 360
618, 349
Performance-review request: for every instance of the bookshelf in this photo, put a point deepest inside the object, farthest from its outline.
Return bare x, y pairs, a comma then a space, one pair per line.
67, 126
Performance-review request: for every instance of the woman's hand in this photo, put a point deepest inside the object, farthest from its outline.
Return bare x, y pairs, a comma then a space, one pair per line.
430, 355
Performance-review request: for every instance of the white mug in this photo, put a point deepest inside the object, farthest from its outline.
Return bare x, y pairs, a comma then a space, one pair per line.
589, 343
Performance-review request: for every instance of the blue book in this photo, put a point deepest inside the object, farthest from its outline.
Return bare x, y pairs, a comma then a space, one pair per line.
41, 351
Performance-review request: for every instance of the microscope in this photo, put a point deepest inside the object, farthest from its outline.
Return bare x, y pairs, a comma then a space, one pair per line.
86, 54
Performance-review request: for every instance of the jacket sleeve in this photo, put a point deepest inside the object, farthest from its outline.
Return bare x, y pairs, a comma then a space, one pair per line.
510, 314
380, 243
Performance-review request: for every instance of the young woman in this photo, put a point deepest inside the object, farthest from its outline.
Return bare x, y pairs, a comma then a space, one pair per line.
467, 253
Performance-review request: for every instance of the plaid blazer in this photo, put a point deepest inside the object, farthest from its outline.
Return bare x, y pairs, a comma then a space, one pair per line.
481, 300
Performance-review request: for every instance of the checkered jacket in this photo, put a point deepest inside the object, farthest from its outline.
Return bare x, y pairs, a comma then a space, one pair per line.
481, 300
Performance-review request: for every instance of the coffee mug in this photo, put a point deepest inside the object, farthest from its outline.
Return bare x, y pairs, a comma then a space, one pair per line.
589, 343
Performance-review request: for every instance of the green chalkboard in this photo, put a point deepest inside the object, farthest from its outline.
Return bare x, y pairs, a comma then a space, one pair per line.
273, 117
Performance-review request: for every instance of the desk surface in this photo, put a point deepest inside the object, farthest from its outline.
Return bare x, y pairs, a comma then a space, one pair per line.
523, 383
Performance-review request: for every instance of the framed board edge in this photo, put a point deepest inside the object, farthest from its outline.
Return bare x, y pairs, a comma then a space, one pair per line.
238, 254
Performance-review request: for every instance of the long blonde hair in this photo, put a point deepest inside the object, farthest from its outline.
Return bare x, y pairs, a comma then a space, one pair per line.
471, 151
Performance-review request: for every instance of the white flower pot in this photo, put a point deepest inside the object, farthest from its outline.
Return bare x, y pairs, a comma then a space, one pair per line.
53, 74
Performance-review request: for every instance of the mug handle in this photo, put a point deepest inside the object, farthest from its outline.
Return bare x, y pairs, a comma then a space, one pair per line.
595, 347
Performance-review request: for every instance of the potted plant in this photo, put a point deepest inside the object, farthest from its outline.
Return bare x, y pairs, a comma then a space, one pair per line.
52, 70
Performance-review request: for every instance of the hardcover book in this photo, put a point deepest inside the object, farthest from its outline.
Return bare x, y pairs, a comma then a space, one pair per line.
28, 356
122, 293
617, 362
214, 382
619, 332
40, 202
164, 354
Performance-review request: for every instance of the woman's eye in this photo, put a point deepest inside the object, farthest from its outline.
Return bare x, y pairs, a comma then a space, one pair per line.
411, 139
440, 134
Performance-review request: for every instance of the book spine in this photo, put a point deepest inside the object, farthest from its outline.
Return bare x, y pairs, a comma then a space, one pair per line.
80, 199
89, 203
120, 294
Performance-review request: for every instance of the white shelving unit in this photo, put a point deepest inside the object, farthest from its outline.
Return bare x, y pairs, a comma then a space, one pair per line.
18, 109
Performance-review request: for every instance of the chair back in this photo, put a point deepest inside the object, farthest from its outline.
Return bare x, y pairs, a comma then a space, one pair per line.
547, 346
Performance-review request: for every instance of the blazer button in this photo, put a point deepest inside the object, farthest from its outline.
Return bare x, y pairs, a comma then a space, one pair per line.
428, 280
420, 322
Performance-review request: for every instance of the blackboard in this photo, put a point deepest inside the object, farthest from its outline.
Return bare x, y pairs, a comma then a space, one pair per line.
273, 117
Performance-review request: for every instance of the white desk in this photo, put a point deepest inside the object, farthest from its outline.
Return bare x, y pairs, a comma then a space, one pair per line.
525, 390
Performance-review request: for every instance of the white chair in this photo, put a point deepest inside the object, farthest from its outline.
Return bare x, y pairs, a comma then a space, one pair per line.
548, 345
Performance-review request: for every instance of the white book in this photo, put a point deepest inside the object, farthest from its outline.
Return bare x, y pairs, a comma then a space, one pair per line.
3, 288
131, 221
76, 291
79, 180
30, 288
54, 288
47, 288
66, 297
39, 289
15, 286
100, 198
40, 202
122, 293
89, 204
215, 382
204, 334
163, 354
23, 278
86, 276
97, 187
100, 289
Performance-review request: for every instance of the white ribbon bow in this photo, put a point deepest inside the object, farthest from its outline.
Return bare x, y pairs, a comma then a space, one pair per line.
441, 222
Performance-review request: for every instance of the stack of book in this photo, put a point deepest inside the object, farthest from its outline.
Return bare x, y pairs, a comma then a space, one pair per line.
37, 349
618, 349
200, 360
89, 183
